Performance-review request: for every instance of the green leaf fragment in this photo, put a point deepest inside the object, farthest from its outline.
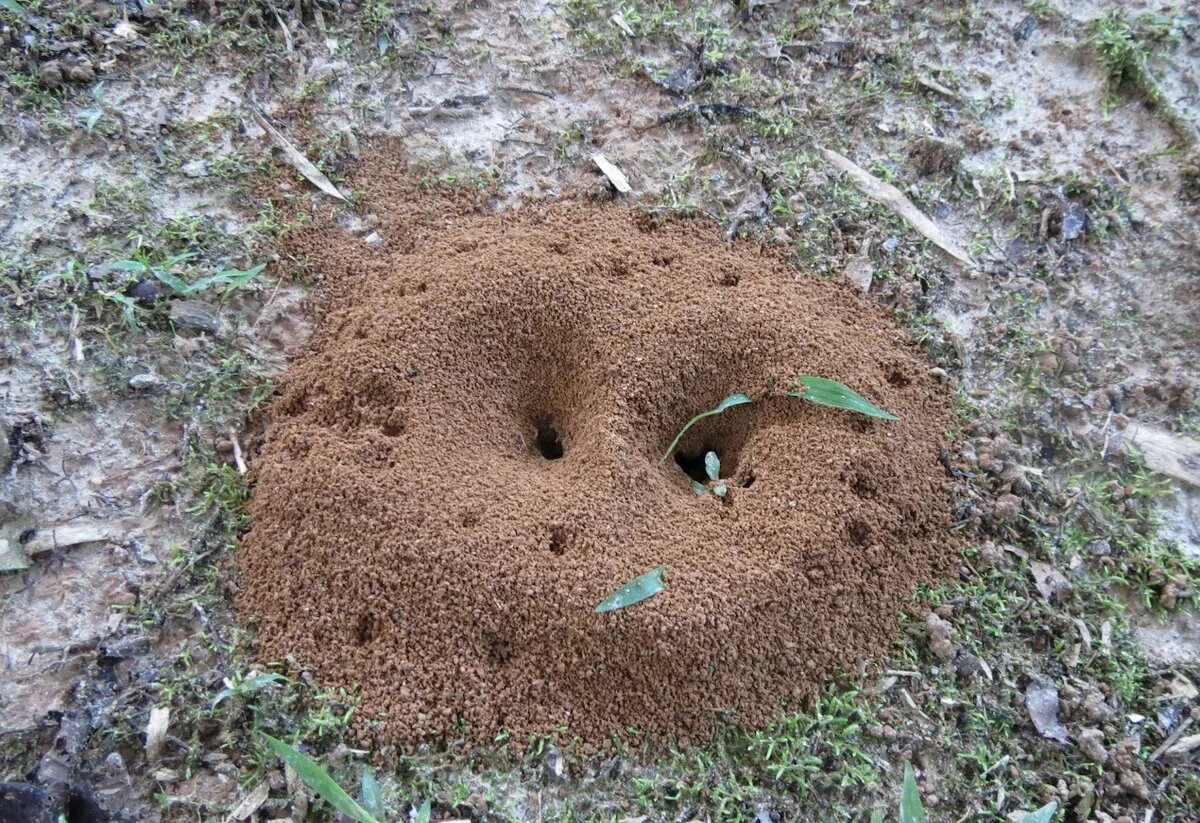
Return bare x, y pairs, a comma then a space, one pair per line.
247, 686
729, 402
635, 591
13, 6
911, 810
1043, 815
720, 490
317, 779
712, 465
424, 813
698, 488
231, 279
175, 284
371, 799
832, 393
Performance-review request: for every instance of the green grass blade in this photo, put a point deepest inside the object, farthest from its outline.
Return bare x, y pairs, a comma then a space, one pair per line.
175, 284
1043, 815
911, 810
736, 399
317, 779
424, 813
635, 591
832, 393
128, 265
231, 279
370, 793
13, 6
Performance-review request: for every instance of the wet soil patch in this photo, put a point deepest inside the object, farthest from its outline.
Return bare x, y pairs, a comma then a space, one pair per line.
466, 462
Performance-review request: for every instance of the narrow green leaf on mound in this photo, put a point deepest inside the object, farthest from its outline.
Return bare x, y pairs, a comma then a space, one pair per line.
911, 810
635, 591
1043, 815
317, 779
832, 393
736, 399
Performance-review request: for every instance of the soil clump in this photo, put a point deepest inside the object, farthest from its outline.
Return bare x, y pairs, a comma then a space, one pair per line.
466, 462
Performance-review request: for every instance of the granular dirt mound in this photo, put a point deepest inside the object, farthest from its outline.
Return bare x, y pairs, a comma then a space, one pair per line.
466, 463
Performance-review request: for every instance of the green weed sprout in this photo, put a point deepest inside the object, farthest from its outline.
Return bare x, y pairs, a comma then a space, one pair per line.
819, 390
712, 468
228, 279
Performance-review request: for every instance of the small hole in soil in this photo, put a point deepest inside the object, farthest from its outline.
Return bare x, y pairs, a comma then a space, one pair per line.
498, 650
897, 377
558, 539
547, 438
393, 429
364, 632
693, 464
860, 531
748, 481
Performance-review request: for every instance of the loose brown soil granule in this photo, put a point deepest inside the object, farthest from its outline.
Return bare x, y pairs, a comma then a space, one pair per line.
465, 464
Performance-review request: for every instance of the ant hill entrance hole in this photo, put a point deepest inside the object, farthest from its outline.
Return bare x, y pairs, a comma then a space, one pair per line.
547, 439
692, 464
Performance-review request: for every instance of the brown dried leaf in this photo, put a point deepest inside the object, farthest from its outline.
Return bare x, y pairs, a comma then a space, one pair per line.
293, 155
250, 803
1041, 699
1050, 581
894, 199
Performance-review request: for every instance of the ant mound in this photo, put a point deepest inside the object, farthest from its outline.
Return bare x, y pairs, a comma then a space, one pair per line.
468, 461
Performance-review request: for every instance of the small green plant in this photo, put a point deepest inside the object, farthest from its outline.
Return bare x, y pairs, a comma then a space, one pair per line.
320, 781
240, 687
228, 279
729, 402
1125, 59
819, 390
712, 468
635, 591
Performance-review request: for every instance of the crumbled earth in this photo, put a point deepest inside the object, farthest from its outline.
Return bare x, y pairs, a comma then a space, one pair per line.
465, 464
1051, 143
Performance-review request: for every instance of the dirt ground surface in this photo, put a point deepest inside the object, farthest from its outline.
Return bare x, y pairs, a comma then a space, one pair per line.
1016, 183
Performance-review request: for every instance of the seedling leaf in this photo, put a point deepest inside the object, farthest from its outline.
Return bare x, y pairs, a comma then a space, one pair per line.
712, 465
424, 813
635, 591
1043, 815
317, 779
832, 393
729, 402
370, 793
13, 6
175, 284
911, 810
231, 279
128, 265
720, 490
698, 488
248, 686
